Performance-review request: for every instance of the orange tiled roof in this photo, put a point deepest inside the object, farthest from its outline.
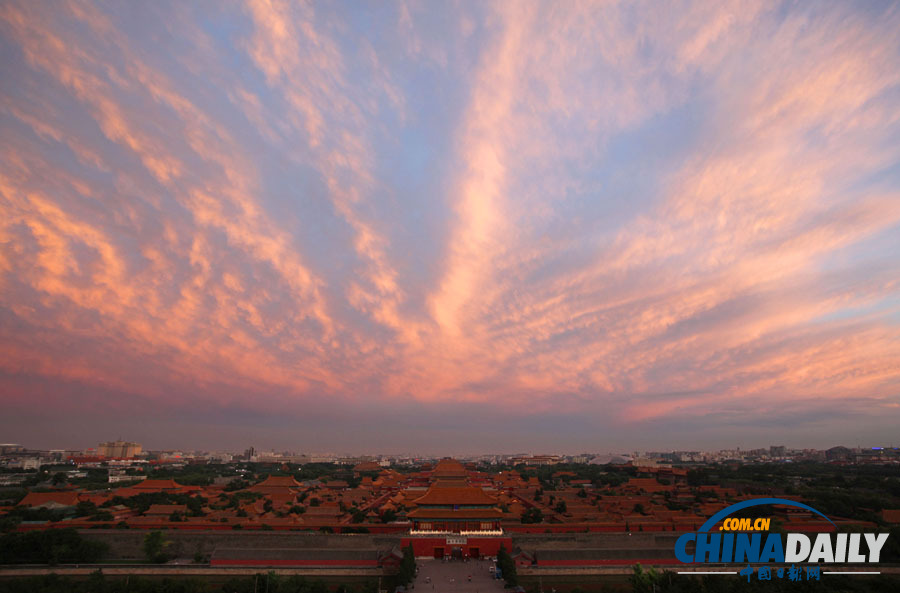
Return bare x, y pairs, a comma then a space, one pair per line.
646, 484
323, 511
367, 466
166, 509
97, 499
423, 513
277, 482
156, 485
36, 499
449, 467
891, 515
456, 495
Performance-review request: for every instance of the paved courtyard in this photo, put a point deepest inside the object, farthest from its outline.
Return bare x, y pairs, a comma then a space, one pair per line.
453, 577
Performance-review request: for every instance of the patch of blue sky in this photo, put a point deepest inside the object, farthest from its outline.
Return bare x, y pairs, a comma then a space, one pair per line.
628, 175
886, 308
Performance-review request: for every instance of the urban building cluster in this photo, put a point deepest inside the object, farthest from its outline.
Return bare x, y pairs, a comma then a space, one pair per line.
16, 456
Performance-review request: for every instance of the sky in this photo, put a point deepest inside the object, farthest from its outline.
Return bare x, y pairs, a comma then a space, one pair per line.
450, 227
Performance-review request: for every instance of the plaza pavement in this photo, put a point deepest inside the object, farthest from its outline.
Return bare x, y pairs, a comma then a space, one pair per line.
452, 577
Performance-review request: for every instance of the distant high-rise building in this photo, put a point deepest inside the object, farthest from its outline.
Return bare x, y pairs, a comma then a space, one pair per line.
7, 448
838, 453
119, 449
249, 453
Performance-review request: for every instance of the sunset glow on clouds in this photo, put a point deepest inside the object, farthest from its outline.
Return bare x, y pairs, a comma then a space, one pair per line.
450, 226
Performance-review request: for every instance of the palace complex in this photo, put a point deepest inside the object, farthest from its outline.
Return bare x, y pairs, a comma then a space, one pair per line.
443, 509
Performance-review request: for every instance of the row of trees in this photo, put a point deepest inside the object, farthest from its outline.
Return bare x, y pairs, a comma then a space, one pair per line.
654, 581
851, 491
49, 546
142, 502
97, 582
599, 475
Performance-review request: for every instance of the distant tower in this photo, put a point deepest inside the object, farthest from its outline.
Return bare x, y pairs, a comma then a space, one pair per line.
119, 448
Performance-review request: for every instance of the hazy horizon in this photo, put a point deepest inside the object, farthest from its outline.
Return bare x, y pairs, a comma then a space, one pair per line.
450, 227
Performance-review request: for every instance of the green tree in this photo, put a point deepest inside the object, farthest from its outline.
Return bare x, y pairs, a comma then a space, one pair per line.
532, 515
645, 581
891, 552
84, 508
155, 544
507, 567
102, 516
407, 566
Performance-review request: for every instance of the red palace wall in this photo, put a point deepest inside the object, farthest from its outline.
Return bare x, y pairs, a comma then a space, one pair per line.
482, 546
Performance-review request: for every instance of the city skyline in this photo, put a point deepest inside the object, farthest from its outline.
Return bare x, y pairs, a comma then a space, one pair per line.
93, 449
121, 449
450, 227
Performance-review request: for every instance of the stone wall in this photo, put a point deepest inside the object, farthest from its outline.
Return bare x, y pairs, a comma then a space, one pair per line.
126, 544
636, 540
